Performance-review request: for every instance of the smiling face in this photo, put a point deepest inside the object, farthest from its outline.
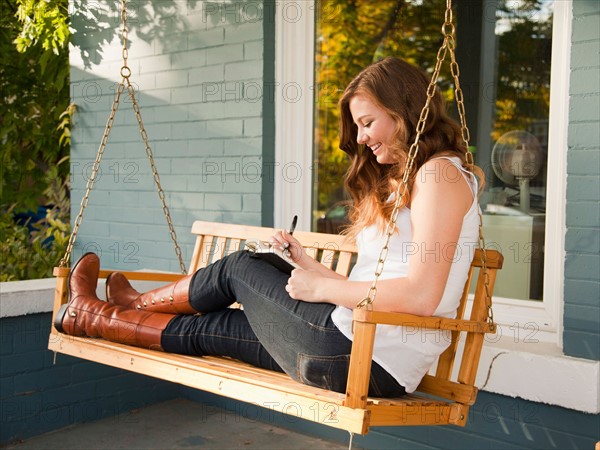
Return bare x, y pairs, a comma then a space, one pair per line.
376, 128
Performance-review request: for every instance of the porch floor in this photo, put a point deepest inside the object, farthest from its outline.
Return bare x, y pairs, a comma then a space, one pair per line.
174, 424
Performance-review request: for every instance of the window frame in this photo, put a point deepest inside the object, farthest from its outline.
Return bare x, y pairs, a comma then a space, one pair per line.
294, 68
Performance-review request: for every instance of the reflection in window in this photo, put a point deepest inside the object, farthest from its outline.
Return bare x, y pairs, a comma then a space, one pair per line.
504, 51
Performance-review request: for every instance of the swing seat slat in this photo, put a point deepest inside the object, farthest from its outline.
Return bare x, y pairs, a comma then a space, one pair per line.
439, 400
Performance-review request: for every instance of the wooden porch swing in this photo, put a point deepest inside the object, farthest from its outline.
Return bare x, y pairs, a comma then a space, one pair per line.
442, 398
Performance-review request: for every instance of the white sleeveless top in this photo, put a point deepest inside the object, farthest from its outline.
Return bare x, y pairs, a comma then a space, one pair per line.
404, 352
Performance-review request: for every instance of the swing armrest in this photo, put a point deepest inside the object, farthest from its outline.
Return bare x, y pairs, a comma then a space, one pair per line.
142, 276
145, 276
411, 320
365, 322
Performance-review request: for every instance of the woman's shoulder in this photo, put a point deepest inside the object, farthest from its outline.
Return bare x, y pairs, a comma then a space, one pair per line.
441, 168
444, 177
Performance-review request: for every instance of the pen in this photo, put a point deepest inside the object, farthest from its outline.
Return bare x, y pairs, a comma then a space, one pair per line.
286, 246
293, 227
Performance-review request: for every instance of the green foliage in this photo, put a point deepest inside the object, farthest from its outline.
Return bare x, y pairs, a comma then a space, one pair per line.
35, 125
33, 254
43, 22
30, 255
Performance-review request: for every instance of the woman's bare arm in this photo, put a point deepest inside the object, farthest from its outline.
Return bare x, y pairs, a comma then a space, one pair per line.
440, 200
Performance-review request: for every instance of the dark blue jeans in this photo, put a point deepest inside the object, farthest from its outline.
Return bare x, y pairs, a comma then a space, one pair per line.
272, 331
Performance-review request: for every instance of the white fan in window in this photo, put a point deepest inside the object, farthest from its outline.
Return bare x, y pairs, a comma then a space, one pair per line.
516, 160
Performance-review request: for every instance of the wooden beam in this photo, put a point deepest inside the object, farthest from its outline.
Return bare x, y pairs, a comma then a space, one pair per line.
450, 390
435, 323
359, 372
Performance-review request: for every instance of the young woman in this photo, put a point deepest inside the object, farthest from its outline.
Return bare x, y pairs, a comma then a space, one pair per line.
302, 324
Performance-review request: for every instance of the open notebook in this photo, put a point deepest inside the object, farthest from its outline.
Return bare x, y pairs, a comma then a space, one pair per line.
272, 254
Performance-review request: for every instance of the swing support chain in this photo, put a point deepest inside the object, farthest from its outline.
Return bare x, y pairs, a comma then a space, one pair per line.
125, 83
448, 45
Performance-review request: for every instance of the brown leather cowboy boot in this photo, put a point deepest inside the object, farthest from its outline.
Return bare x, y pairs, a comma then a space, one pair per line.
172, 298
86, 315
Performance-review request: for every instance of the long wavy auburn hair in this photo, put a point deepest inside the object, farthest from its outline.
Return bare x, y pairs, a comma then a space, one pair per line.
399, 89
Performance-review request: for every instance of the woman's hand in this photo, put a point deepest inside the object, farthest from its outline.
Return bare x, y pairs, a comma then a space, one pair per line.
285, 241
304, 285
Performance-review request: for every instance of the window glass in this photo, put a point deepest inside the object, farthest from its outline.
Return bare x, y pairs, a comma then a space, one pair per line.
504, 51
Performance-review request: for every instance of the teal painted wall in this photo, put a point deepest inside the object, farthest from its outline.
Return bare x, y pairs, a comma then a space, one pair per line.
582, 245
38, 395
200, 77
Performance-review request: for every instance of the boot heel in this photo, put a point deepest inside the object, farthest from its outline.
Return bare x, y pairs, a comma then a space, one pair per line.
60, 317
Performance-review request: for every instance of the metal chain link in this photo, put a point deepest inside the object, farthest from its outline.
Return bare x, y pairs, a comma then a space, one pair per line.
448, 45
125, 74
458, 95
92, 179
161, 192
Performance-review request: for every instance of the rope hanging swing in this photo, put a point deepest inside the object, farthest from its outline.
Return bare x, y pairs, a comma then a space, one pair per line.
443, 397
125, 83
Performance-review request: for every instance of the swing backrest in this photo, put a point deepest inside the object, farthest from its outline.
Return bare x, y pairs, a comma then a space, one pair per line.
215, 240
